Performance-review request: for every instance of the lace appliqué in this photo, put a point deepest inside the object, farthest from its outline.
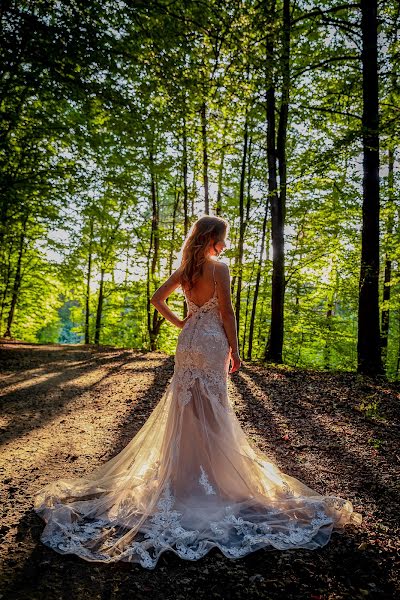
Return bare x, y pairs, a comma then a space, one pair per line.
76, 537
206, 307
205, 483
234, 535
214, 382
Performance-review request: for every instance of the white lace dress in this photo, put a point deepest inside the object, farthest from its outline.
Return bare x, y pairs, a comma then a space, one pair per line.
190, 479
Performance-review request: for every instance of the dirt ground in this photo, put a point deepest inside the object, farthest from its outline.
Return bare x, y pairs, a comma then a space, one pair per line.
67, 409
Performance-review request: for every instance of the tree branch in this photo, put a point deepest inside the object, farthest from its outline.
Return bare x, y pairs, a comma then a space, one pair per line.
318, 12
322, 63
330, 111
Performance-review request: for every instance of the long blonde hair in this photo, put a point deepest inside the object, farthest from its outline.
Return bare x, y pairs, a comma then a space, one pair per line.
205, 230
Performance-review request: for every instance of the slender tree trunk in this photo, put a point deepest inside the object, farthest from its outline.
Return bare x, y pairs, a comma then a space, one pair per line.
299, 247
234, 245
173, 231
155, 216
99, 311
148, 295
248, 303
261, 333
17, 280
88, 277
369, 343
185, 181
388, 260
3, 215
398, 351
154, 322
248, 204
7, 281
257, 284
329, 318
203, 113
185, 195
273, 351
327, 347
242, 223
284, 108
333, 274
218, 207
193, 194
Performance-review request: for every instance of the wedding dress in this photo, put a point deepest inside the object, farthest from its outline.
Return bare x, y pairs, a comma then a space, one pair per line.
190, 479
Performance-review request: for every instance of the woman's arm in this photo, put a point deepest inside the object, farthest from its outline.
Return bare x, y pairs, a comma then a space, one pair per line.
223, 279
160, 295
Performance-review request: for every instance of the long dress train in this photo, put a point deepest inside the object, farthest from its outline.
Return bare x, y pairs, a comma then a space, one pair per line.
190, 479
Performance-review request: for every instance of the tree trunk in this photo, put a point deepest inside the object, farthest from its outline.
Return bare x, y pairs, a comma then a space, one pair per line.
205, 156
185, 181
242, 226
329, 316
299, 249
218, 207
173, 230
99, 311
246, 315
88, 276
257, 284
155, 217
388, 260
3, 215
398, 352
277, 152
7, 281
17, 280
153, 322
185, 195
369, 344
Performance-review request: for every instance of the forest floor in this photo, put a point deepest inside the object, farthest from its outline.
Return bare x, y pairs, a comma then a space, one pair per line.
67, 409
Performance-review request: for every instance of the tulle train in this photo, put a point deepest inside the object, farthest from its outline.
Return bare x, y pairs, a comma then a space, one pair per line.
189, 480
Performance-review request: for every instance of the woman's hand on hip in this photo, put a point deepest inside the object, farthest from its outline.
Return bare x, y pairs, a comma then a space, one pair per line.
183, 321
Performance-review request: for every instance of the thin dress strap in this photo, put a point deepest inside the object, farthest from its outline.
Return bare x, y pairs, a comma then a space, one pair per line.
215, 288
215, 283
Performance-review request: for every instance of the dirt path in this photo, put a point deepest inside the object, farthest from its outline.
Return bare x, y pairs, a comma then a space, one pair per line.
67, 409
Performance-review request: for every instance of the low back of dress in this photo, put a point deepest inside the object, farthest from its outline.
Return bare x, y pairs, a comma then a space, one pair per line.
192, 305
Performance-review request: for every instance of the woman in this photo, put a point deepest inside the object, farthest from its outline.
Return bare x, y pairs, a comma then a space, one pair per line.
190, 479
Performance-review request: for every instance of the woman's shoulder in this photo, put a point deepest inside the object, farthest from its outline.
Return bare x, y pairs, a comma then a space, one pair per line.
221, 267
218, 267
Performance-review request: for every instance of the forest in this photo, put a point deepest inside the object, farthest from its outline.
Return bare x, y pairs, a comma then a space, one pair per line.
123, 122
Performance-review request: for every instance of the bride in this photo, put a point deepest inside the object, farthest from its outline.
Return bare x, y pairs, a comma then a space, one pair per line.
190, 479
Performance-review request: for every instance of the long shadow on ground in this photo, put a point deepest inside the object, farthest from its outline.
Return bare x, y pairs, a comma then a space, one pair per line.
349, 567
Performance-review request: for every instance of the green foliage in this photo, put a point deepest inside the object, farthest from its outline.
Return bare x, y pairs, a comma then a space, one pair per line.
98, 101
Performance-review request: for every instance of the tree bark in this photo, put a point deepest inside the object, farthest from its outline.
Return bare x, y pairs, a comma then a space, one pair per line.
257, 284
17, 279
388, 260
203, 113
218, 207
88, 276
185, 181
6, 280
153, 321
99, 311
242, 221
185, 195
369, 343
277, 152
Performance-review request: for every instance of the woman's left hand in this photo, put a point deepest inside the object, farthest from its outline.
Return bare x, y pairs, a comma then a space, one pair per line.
183, 321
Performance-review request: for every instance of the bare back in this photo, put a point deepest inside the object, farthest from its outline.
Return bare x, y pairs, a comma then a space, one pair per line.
205, 287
